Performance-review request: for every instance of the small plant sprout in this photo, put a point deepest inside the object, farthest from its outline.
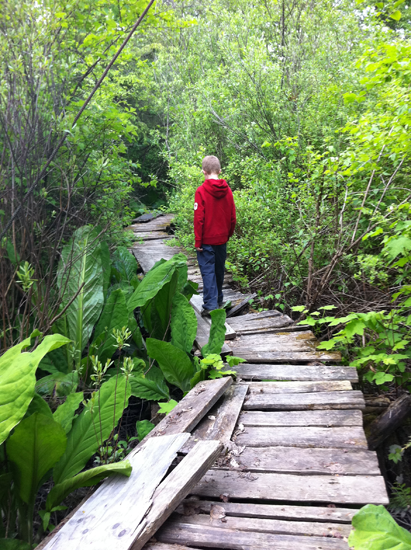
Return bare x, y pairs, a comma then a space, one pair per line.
98, 370
121, 336
128, 366
25, 274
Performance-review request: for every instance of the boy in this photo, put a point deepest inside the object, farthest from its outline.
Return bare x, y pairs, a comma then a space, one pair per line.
214, 224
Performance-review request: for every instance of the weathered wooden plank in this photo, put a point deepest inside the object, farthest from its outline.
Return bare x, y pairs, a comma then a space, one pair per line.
203, 334
191, 409
275, 526
305, 488
294, 460
326, 418
304, 436
279, 341
218, 537
162, 546
295, 372
276, 321
109, 518
240, 306
220, 423
259, 315
153, 235
175, 488
299, 387
305, 401
275, 511
197, 303
158, 224
283, 356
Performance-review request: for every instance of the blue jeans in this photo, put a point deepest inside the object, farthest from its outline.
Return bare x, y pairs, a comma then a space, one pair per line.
212, 262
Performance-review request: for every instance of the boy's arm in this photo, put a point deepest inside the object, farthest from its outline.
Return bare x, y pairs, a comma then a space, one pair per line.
198, 219
233, 216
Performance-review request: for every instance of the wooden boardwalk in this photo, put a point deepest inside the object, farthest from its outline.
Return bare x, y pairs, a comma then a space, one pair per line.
296, 466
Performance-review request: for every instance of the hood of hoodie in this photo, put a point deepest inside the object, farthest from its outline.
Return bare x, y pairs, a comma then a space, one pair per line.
217, 188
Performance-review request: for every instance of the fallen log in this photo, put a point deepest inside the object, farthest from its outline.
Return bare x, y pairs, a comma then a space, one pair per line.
387, 422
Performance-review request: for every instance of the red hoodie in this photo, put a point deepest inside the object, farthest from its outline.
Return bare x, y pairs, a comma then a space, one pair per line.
214, 213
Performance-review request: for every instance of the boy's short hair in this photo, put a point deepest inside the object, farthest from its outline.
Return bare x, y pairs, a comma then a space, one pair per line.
211, 165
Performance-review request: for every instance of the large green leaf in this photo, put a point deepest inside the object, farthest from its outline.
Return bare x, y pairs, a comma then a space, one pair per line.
105, 264
59, 383
217, 333
376, 529
36, 445
125, 264
55, 361
151, 386
183, 323
18, 380
14, 544
113, 316
39, 405
163, 302
80, 266
90, 477
155, 279
64, 414
175, 364
13, 352
92, 427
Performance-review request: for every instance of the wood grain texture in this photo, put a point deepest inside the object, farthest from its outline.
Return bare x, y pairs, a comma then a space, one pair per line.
275, 526
191, 409
241, 305
303, 341
272, 486
299, 387
260, 325
175, 488
304, 436
295, 460
326, 418
219, 424
284, 356
275, 511
218, 537
305, 401
162, 546
110, 517
295, 372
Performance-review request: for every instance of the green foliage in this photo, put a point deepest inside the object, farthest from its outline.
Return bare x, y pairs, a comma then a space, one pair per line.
217, 333
375, 529
401, 499
150, 386
183, 323
143, 427
166, 408
65, 413
175, 364
18, 374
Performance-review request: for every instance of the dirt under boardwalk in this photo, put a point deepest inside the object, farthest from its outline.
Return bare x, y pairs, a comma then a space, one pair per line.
296, 466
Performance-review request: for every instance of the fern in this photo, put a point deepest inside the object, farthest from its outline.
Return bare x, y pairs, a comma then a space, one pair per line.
401, 498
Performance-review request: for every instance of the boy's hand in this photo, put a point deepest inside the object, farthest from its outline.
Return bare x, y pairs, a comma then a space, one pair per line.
199, 249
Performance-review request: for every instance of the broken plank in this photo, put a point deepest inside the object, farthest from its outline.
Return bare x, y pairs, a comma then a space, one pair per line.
275, 526
153, 235
241, 509
306, 488
239, 307
303, 401
197, 302
191, 409
266, 326
294, 460
326, 418
282, 356
299, 387
203, 334
295, 372
304, 436
221, 421
109, 518
175, 488
218, 537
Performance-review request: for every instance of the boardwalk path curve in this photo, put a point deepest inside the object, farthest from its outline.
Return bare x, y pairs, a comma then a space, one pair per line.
297, 465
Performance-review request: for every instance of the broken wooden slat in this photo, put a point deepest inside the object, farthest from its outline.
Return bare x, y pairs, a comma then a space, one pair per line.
305, 401
275, 511
275, 526
191, 409
304, 436
389, 421
203, 334
295, 372
280, 341
176, 487
283, 356
218, 537
315, 488
294, 460
326, 418
109, 518
221, 421
153, 235
197, 302
239, 307
299, 387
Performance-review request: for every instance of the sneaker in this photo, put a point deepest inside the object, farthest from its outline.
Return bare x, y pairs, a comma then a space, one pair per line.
205, 313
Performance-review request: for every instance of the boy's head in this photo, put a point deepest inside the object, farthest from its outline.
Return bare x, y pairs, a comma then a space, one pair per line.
211, 166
